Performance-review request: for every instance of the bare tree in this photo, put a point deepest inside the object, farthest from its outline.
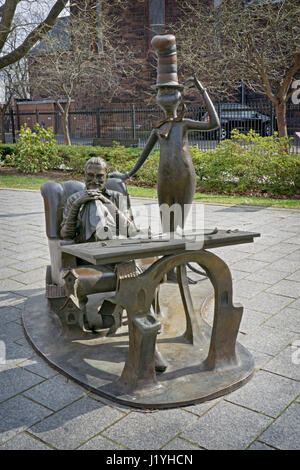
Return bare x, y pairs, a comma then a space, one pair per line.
33, 32
14, 80
80, 54
258, 42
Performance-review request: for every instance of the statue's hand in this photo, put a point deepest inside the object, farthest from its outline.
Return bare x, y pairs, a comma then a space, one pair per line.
199, 85
84, 198
193, 81
116, 174
190, 82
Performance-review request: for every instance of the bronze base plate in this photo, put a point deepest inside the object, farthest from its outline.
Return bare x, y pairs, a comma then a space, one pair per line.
96, 362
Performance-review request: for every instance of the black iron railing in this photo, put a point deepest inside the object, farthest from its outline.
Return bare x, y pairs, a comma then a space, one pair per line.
134, 123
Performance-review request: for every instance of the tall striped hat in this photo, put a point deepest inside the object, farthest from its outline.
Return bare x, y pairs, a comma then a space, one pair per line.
165, 47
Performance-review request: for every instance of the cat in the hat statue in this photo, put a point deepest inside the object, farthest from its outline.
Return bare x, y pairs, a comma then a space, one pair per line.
176, 174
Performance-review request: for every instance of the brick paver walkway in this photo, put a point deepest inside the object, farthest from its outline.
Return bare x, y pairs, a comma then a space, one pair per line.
40, 409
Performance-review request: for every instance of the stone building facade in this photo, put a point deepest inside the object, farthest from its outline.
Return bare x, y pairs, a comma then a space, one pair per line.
138, 22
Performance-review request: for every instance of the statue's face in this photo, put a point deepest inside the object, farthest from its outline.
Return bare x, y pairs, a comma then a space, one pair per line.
95, 177
168, 98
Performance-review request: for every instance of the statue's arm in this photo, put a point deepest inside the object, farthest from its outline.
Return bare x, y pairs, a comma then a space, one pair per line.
70, 217
144, 155
213, 122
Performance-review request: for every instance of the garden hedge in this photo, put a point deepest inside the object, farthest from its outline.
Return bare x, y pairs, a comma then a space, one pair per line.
245, 164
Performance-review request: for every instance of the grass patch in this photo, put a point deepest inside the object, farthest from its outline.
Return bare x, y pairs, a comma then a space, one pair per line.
35, 182
22, 182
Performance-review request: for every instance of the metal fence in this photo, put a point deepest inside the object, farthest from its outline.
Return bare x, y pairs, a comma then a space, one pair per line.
132, 125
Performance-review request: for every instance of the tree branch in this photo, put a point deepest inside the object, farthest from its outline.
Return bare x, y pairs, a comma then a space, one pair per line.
35, 35
8, 12
289, 77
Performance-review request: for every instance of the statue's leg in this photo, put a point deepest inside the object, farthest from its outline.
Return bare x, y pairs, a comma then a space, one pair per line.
193, 333
139, 370
227, 317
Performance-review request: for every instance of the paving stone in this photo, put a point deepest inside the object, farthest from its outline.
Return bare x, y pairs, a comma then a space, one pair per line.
260, 359
252, 320
285, 265
249, 265
30, 264
226, 426
294, 277
295, 304
232, 256
268, 302
75, 424
266, 393
38, 366
268, 255
31, 277
9, 285
285, 431
295, 240
28, 255
295, 256
17, 414
287, 319
8, 272
8, 299
161, 427
285, 247
287, 288
6, 261
14, 355
202, 407
268, 340
280, 258
14, 381
287, 363
270, 240
260, 446
267, 276
24, 441
100, 443
248, 289
11, 331
252, 248
56, 393
238, 275
125, 409
180, 444
8, 314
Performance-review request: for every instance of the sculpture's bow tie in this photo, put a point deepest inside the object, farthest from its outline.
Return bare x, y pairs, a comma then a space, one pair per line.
165, 133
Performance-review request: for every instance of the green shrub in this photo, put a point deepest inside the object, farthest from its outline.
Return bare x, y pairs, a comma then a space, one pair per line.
248, 164
6, 149
117, 158
245, 164
35, 151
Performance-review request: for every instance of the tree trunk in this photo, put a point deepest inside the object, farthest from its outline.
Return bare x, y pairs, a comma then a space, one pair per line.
65, 125
280, 110
2, 124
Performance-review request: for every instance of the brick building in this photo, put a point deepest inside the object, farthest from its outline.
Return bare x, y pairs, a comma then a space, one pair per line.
138, 23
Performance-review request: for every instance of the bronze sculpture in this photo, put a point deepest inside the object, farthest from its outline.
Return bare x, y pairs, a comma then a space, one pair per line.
176, 180
95, 212
203, 362
176, 174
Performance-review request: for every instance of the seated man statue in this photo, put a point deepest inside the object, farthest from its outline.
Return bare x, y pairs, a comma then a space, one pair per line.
96, 213
92, 214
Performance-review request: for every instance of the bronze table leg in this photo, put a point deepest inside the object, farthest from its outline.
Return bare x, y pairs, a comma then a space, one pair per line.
136, 295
